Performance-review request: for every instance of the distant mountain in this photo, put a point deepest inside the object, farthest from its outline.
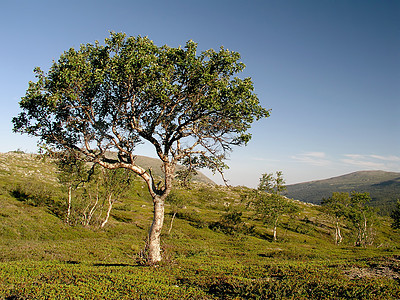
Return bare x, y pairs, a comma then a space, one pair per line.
384, 188
11, 159
155, 165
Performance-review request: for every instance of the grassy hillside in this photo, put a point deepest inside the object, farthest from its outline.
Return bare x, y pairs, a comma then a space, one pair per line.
384, 188
41, 257
155, 165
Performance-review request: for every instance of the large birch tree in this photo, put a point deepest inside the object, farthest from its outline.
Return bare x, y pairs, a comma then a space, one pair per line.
112, 97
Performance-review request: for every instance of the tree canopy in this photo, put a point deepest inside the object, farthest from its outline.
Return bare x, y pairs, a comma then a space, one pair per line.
395, 215
110, 98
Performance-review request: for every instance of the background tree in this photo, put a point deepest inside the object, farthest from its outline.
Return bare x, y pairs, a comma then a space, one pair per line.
176, 203
116, 184
395, 215
112, 97
91, 197
337, 206
361, 215
270, 205
185, 176
270, 184
71, 173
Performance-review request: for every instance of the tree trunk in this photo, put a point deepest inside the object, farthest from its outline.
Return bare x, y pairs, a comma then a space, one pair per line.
93, 209
155, 231
172, 221
338, 235
110, 203
275, 225
69, 204
365, 231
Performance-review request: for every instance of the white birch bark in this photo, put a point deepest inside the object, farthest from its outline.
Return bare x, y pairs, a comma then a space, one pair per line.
110, 203
69, 204
155, 231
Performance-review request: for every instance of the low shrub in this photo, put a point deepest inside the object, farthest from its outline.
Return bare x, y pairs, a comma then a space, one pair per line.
232, 223
36, 194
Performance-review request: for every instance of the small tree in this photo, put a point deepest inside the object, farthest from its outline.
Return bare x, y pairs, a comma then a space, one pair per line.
185, 175
116, 184
71, 173
107, 98
231, 223
395, 215
270, 205
337, 206
176, 203
361, 215
270, 184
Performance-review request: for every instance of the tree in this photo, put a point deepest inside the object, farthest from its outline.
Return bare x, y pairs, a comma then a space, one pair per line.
116, 183
337, 207
272, 185
112, 97
176, 203
71, 173
395, 215
185, 176
270, 205
361, 216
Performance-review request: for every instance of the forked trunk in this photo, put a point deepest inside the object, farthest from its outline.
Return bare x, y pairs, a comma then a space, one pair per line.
338, 235
155, 232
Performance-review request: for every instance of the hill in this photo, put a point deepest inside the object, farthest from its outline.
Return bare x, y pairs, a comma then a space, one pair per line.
217, 248
155, 165
384, 188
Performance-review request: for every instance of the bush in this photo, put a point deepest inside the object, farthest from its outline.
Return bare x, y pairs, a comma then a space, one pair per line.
193, 217
232, 223
39, 195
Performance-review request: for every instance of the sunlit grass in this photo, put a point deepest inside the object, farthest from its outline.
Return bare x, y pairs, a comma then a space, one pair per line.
41, 257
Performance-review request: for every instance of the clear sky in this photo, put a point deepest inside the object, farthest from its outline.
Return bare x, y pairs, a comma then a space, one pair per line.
329, 70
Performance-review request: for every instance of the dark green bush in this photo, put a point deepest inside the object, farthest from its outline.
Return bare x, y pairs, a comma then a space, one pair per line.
232, 223
193, 217
39, 195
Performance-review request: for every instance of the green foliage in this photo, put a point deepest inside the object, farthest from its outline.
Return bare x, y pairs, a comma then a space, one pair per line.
231, 223
272, 185
109, 98
354, 211
338, 208
395, 215
176, 201
43, 258
39, 195
193, 217
268, 203
362, 217
116, 95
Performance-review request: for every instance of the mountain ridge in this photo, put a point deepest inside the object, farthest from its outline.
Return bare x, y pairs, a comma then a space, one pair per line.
383, 186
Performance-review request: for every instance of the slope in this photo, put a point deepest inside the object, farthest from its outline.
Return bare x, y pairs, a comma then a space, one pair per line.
384, 188
43, 258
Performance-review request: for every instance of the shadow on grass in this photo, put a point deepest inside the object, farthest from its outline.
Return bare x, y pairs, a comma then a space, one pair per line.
116, 265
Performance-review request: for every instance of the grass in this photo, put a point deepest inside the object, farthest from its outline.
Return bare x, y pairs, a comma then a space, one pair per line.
43, 258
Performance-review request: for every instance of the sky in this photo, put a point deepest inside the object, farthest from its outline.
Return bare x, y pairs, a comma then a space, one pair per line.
328, 70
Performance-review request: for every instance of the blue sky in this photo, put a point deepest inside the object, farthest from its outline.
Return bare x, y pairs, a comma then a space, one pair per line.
329, 70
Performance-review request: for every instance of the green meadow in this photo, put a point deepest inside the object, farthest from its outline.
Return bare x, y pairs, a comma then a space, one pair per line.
206, 255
